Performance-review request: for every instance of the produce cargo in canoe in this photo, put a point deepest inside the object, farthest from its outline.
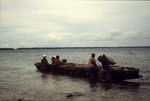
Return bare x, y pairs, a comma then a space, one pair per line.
119, 73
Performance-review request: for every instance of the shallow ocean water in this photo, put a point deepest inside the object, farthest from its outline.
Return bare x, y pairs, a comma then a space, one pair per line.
19, 79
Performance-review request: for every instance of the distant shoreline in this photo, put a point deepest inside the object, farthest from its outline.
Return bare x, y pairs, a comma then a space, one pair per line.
6, 48
71, 47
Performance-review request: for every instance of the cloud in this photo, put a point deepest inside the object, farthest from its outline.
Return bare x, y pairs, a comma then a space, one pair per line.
56, 23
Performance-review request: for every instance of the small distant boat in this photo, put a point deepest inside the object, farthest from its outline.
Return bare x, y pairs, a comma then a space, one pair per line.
119, 73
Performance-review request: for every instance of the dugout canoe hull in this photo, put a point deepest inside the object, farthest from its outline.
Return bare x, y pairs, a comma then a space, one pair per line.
119, 73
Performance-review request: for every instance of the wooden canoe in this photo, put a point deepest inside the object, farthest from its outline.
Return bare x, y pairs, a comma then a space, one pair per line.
118, 73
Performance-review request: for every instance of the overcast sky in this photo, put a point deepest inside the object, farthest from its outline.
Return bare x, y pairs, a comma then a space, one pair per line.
76, 23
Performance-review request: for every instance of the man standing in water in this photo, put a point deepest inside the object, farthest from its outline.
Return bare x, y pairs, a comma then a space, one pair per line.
93, 67
106, 67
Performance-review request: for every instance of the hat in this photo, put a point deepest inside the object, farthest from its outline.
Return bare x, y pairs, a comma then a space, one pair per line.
44, 55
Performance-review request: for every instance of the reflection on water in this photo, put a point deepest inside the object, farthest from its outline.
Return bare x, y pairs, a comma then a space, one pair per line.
86, 89
94, 84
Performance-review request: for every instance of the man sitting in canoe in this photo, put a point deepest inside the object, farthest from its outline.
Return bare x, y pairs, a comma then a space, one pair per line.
57, 61
53, 59
93, 67
44, 62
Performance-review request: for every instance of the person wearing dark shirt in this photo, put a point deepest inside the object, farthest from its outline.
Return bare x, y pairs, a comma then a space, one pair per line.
106, 67
105, 63
44, 62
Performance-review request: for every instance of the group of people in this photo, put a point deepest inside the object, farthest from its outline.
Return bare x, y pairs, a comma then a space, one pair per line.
105, 72
55, 60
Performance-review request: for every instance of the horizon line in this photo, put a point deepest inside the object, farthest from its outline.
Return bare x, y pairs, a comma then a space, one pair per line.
74, 47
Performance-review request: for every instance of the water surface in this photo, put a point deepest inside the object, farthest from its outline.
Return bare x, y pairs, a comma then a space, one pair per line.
20, 80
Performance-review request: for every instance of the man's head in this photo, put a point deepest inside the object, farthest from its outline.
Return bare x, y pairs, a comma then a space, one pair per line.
99, 58
57, 57
53, 58
93, 55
